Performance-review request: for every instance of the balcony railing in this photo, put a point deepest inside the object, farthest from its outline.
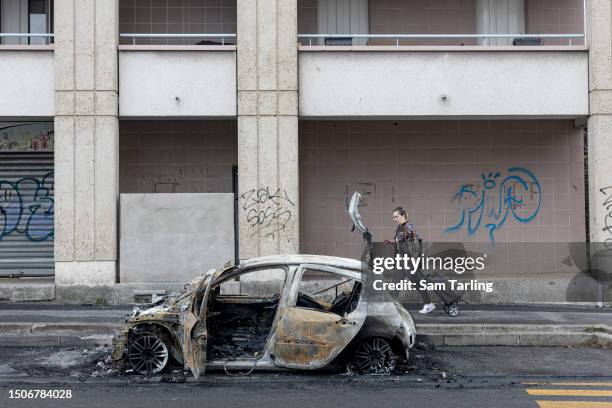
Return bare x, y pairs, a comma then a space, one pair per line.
395, 39
205, 39
47, 37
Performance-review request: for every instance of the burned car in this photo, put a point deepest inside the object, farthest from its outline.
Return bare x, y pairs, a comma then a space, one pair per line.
274, 312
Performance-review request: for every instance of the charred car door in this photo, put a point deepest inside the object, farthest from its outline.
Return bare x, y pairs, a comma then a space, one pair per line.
309, 335
239, 323
195, 334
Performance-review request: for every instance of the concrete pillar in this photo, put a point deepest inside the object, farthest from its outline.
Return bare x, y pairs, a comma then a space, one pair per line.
599, 37
86, 142
267, 127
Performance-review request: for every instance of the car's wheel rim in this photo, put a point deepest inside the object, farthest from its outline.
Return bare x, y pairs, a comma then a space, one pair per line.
375, 355
148, 354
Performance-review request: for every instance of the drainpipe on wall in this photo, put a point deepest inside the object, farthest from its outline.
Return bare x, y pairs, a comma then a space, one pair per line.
236, 198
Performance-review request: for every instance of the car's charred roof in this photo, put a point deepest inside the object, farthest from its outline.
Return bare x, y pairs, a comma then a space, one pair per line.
294, 259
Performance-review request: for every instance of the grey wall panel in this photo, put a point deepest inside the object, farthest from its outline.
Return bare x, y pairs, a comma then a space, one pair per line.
172, 238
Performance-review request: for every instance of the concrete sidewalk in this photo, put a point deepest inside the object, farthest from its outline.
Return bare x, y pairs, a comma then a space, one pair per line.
39, 324
516, 325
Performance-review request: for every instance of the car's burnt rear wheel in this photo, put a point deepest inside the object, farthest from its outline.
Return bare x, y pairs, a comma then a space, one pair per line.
375, 355
148, 354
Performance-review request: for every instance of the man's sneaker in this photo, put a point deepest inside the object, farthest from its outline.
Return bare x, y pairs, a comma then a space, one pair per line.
427, 308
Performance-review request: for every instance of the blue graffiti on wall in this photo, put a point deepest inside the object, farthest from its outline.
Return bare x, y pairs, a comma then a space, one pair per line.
26, 207
518, 191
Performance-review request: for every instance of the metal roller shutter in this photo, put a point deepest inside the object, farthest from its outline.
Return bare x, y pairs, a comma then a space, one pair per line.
26, 214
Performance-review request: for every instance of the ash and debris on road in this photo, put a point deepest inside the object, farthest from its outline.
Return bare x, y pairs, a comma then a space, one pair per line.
431, 366
425, 364
57, 362
86, 363
104, 364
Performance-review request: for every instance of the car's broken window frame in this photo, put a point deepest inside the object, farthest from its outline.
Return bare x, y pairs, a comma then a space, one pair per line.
239, 271
299, 273
200, 291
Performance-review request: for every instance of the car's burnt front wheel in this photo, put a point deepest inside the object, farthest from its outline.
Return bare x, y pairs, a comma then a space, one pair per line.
375, 355
148, 354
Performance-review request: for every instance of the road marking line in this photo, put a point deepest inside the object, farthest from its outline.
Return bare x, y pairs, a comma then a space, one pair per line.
573, 393
586, 384
574, 404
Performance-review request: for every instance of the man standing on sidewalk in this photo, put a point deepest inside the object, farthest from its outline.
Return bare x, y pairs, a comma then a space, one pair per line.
408, 242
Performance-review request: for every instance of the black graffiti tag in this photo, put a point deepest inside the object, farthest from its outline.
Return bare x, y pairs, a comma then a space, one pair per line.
607, 204
262, 208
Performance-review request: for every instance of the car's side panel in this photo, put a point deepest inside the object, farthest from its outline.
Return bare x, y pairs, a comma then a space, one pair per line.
310, 339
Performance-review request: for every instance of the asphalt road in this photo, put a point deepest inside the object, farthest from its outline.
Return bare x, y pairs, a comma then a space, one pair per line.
323, 394
443, 377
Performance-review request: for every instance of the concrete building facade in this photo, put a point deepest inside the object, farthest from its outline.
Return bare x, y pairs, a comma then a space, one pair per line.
445, 108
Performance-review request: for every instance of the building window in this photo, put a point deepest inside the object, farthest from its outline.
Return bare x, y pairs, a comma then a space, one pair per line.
26, 17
